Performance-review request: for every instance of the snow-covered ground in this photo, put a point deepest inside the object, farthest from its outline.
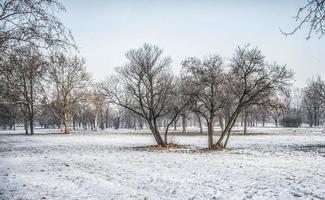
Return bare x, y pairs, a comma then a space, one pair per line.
279, 163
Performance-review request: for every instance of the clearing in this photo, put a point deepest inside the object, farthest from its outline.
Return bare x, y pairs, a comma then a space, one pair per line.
273, 163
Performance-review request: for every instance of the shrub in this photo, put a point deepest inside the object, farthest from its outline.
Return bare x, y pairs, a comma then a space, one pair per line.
289, 121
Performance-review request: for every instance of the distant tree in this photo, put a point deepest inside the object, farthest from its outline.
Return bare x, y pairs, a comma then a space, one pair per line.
116, 117
313, 101
143, 85
312, 14
276, 107
9, 109
295, 107
249, 117
8, 116
66, 84
318, 85
98, 100
207, 80
45, 115
23, 71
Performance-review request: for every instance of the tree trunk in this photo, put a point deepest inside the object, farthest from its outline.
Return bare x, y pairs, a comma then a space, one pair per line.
228, 126
116, 123
106, 118
96, 122
200, 122
165, 136
140, 123
184, 123
210, 133
31, 125
315, 118
245, 122
228, 135
229, 130
276, 122
31, 110
221, 123
241, 121
26, 126
66, 123
155, 132
134, 124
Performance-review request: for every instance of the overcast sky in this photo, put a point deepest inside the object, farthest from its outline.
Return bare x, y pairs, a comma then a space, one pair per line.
105, 30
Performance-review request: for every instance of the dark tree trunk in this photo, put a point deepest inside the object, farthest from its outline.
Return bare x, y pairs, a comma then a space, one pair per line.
242, 121
101, 121
26, 126
184, 123
230, 123
140, 123
221, 123
229, 132
106, 118
210, 132
31, 109
116, 123
154, 129
276, 122
314, 119
245, 122
31, 126
200, 122
66, 123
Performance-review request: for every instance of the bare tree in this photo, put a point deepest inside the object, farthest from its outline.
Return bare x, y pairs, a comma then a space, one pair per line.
22, 72
9, 112
207, 79
276, 107
311, 14
33, 23
313, 101
251, 81
143, 86
66, 84
98, 100
296, 95
318, 86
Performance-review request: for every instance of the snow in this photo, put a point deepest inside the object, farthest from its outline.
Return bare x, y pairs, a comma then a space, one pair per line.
269, 163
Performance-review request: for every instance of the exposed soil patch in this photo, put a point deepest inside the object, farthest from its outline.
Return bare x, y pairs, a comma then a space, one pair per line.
171, 146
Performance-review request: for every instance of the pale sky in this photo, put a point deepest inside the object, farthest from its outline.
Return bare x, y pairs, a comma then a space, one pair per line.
105, 30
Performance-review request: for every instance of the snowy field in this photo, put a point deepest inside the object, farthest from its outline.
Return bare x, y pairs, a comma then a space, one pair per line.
273, 163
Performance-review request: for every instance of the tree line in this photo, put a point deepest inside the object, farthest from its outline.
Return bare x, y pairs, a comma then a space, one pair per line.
44, 81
